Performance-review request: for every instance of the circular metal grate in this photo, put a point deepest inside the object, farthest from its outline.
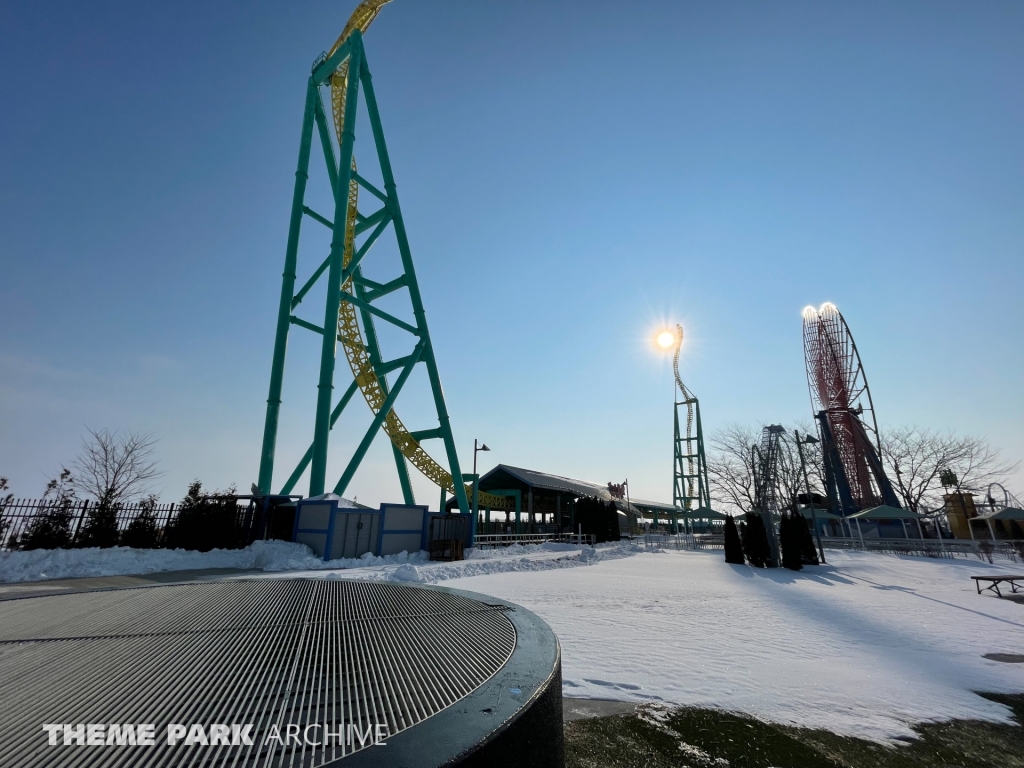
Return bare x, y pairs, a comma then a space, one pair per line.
261, 652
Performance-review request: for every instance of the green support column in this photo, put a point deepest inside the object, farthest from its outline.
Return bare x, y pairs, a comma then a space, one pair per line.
284, 311
361, 293
373, 347
325, 388
391, 190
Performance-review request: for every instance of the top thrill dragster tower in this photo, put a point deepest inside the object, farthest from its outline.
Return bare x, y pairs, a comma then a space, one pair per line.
845, 414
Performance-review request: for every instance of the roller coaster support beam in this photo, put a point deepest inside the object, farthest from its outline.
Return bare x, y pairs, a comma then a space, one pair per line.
328, 350
391, 190
349, 294
287, 291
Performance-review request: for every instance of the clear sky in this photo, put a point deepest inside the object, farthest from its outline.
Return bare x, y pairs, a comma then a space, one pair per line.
573, 175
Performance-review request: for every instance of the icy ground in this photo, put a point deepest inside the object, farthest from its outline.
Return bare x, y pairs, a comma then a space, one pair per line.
865, 646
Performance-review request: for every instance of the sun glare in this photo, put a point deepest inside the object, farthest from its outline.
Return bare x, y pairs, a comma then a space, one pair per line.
666, 339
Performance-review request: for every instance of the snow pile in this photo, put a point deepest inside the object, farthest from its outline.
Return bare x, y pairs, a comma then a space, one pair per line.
407, 573
517, 558
40, 564
43, 564
865, 646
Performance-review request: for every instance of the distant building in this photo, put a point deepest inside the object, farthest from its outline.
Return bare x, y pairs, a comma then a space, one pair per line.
546, 501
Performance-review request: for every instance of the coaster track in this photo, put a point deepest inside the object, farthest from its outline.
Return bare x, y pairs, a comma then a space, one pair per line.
689, 399
350, 334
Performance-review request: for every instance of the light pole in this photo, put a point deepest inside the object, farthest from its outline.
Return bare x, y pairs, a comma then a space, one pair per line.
809, 440
476, 480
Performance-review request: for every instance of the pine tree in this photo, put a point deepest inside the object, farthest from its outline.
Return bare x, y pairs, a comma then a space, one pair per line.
756, 546
733, 546
611, 516
51, 526
204, 521
141, 532
100, 527
791, 542
4, 501
808, 549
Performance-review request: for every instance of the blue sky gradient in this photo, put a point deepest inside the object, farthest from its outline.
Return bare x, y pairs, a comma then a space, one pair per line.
573, 176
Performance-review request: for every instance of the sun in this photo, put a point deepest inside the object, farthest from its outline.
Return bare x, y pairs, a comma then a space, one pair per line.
666, 339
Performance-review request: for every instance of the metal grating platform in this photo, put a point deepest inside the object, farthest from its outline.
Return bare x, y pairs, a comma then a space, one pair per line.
260, 652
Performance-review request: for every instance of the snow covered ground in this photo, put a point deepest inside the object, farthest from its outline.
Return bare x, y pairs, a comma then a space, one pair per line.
866, 646
295, 559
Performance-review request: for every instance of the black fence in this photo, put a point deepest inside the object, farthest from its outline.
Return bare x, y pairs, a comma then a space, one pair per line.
225, 522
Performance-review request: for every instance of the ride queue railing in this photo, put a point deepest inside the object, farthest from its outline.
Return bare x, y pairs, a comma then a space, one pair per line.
983, 549
490, 540
681, 541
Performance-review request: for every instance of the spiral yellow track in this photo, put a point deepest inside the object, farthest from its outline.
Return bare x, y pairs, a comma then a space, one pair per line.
349, 331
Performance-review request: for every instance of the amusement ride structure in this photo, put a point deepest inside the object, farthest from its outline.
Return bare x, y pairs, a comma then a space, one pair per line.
351, 308
690, 474
842, 406
766, 461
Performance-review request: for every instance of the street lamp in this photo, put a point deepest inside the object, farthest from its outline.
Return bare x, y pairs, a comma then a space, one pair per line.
476, 480
810, 440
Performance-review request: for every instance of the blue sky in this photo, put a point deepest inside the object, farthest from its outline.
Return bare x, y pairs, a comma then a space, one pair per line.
573, 175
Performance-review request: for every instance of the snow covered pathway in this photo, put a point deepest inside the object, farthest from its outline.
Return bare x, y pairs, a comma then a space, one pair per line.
865, 646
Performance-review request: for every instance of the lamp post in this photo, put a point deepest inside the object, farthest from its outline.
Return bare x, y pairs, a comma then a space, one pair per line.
476, 480
809, 440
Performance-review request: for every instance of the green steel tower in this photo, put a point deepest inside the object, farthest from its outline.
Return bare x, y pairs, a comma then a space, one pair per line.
690, 475
351, 308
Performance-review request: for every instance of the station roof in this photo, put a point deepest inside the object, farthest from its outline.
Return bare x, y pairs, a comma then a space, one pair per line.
885, 512
648, 506
821, 514
497, 478
1006, 513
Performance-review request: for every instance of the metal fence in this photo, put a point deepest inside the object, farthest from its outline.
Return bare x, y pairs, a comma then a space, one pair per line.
951, 548
681, 541
490, 540
18, 516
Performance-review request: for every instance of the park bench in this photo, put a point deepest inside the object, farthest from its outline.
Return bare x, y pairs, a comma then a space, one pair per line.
995, 581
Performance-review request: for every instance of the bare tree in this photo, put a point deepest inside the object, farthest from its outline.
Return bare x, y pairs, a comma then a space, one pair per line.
814, 460
918, 460
730, 468
115, 468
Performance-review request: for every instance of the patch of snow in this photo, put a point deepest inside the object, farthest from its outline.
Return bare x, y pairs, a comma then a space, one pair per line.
406, 573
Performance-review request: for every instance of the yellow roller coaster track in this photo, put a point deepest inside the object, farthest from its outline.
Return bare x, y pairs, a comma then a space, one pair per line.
350, 333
